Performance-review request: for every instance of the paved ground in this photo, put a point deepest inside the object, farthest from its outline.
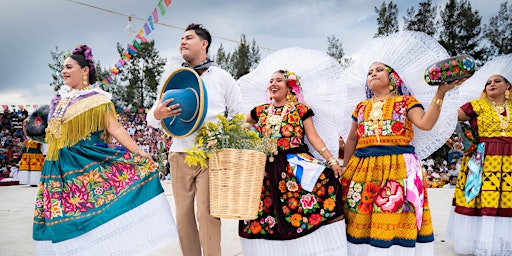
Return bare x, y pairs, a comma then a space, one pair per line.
16, 207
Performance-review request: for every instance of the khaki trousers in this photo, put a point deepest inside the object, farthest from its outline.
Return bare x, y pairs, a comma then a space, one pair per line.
189, 183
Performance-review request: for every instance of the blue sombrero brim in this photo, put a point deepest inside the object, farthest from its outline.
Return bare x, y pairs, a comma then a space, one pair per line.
187, 88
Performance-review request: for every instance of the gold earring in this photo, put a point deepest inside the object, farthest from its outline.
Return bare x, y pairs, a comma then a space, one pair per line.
288, 95
507, 94
84, 80
391, 87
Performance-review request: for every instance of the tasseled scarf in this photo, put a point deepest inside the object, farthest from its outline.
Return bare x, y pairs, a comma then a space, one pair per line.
83, 117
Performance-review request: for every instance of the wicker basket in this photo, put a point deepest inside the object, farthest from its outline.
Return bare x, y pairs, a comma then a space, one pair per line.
236, 177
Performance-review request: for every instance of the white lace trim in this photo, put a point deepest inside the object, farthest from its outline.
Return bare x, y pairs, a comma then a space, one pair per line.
326, 241
480, 235
140, 231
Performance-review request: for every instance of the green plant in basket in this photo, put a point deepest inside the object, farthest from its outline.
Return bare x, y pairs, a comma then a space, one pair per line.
223, 133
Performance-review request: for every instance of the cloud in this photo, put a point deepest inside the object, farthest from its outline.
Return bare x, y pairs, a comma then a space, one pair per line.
32, 29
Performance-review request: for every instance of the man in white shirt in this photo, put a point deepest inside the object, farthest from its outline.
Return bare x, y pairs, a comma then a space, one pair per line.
192, 183
452, 182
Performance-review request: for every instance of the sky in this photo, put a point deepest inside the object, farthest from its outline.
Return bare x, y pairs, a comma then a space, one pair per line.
31, 29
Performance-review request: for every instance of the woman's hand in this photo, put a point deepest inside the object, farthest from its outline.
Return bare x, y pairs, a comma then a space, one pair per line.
446, 86
338, 171
145, 155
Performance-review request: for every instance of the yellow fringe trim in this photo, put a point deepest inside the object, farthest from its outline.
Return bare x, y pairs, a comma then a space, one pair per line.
84, 117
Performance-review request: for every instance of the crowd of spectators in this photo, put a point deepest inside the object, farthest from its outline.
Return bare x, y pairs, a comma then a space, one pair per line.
12, 139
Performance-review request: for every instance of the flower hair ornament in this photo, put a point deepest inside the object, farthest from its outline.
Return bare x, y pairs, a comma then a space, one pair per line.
406, 54
316, 82
292, 80
87, 53
396, 84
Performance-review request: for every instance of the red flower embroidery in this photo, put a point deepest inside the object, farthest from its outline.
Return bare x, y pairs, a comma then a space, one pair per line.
308, 201
367, 197
390, 197
398, 128
283, 143
287, 130
360, 130
293, 203
315, 219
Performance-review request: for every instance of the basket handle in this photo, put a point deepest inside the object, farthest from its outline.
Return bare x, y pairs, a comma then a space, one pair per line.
216, 159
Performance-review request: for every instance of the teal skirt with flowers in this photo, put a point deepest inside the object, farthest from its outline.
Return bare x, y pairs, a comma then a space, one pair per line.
90, 185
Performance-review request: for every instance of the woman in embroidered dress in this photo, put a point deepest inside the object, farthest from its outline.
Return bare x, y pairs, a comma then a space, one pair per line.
32, 160
385, 197
94, 200
481, 220
293, 220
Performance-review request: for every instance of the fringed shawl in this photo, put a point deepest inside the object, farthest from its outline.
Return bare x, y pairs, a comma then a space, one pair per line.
82, 117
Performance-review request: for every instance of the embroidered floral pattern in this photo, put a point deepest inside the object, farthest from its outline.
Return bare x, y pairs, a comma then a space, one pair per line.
299, 208
371, 197
291, 132
450, 69
393, 127
87, 192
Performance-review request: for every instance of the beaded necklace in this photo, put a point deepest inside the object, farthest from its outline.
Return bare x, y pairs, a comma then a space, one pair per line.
273, 129
376, 119
54, 126
499, 109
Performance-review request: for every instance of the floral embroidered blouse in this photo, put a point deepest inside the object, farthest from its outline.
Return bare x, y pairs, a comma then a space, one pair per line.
394, 130
292, 130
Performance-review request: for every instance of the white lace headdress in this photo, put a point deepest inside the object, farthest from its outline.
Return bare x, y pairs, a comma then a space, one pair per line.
409, 53
320, 78
473, 87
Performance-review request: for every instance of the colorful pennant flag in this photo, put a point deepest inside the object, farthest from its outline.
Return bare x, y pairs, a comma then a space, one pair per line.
134, 47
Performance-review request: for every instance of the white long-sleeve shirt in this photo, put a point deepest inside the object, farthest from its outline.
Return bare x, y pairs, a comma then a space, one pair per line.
223, 94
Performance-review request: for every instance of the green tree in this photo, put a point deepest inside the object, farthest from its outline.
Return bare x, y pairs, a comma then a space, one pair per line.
461, 29
55, 66
241, 59
244, 59
423, 20
499, 31
387, 20
142, 72
335, 50
223, 59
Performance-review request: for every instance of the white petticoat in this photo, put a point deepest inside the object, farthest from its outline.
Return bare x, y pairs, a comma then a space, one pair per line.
140, 231
480, 235
328, 240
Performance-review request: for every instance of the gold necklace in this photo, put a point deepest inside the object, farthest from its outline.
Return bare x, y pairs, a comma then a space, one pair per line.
499, 109
376, 118
273, 129
55, 123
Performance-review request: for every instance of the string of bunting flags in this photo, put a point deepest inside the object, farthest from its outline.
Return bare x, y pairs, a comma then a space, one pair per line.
21, 107
134, 46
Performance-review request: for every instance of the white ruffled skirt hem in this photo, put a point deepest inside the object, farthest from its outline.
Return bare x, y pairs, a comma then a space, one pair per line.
140, 231
327, 240
480, 235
